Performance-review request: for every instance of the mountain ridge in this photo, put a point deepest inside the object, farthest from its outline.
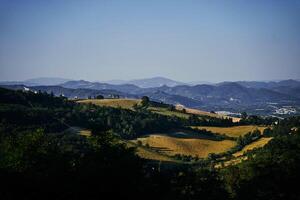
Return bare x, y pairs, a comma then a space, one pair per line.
229, 96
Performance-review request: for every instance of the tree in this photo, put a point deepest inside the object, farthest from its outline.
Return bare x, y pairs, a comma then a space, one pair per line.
244, 115
171, 107
135, 107
139, 143
99, 97
145, 101
267, 132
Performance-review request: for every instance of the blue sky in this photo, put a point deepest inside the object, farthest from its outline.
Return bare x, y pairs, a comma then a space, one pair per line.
183, 40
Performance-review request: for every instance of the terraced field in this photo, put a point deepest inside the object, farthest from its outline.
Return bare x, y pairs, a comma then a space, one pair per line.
234, 131
171, 145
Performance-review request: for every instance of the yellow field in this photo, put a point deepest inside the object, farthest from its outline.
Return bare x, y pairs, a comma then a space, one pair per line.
234, 131
147, 153
150, 155
257, 144
123, 103
188, 146
129, 103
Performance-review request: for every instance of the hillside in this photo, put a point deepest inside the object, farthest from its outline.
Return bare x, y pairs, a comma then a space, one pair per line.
79, 93
262, 98
125, 88
204, 113
257, 144
234, 131
156, 108
226, 96
169, 145
115, 103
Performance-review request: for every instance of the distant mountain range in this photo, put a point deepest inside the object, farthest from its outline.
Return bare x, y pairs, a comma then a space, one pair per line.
252, 96
148, 82
45, 81
71, 93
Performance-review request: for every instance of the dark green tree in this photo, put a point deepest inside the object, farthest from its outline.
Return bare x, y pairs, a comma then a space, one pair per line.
145, 101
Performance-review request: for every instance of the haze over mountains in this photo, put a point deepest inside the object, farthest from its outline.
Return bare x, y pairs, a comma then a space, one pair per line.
281, 97
37, 81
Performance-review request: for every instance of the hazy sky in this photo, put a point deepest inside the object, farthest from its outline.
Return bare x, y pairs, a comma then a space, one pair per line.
183, 40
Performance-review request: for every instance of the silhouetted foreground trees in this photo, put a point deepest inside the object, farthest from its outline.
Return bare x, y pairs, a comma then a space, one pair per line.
271, 172
34, 165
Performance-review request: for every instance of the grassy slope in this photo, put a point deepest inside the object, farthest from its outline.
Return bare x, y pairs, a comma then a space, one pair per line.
149, 154
170, 145
123, 103
129, 103
165, 111
257, 144
239, 156
163, 146
205, 113
234, 131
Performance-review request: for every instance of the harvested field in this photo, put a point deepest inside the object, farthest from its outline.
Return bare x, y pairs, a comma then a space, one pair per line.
187, 146
234, 131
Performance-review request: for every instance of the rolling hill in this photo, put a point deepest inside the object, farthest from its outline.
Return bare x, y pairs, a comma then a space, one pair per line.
80, 93
169, 145
125, 88
264, 98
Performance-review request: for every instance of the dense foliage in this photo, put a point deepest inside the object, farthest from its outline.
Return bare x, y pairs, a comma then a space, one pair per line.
55, 114
269, 173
